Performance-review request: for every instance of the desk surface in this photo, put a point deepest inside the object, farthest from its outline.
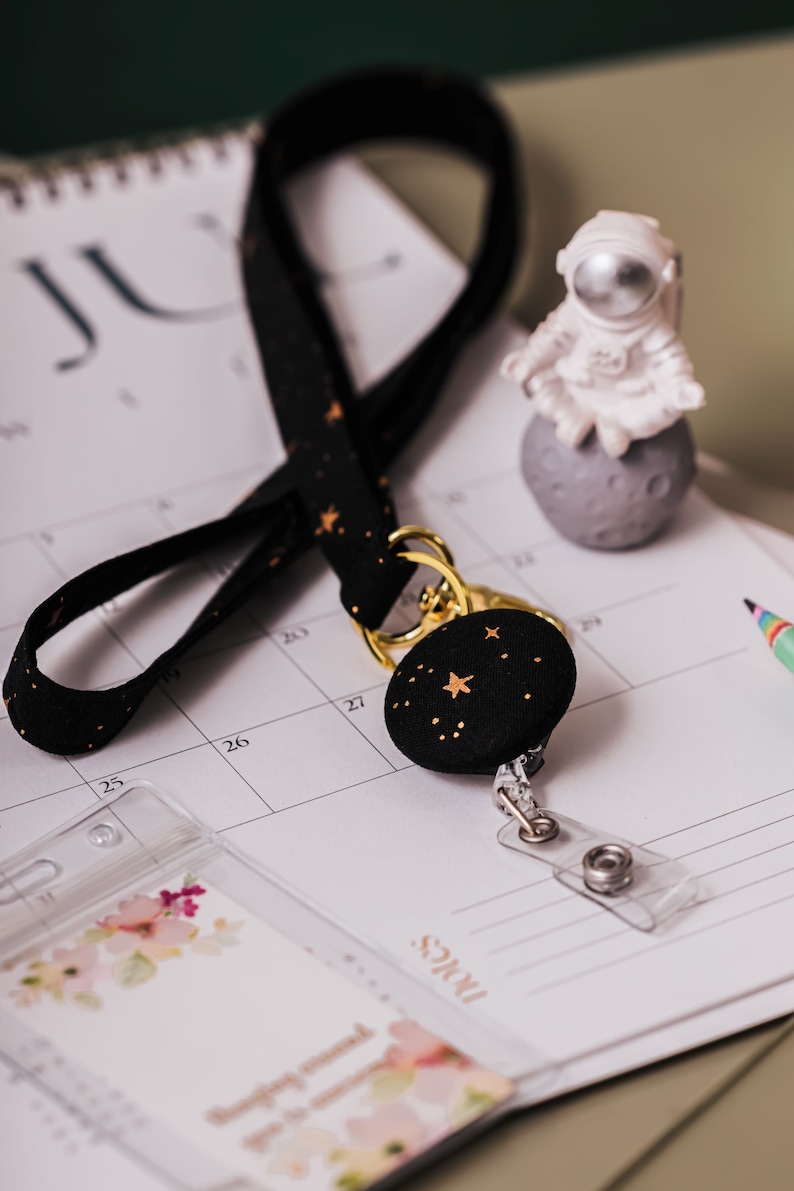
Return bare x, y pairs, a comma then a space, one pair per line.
703, 142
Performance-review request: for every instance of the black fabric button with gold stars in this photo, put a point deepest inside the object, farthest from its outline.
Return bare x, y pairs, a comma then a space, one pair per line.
480, 691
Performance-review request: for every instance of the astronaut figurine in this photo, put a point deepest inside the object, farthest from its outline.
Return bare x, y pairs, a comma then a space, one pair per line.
609, 359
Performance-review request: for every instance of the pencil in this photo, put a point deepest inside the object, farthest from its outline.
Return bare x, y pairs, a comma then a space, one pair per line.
777, 631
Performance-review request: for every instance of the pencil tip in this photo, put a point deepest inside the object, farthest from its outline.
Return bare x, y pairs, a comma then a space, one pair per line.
751, 605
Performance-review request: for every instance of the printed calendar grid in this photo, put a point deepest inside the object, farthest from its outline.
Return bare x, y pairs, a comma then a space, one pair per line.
258, 627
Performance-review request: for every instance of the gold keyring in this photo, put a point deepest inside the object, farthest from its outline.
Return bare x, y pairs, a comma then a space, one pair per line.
452, 590
451, 597
421, 533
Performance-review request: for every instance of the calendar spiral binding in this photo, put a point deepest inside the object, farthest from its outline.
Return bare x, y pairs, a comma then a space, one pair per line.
22, 181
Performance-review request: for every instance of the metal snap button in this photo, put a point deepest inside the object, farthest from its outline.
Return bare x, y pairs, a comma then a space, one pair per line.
608, 868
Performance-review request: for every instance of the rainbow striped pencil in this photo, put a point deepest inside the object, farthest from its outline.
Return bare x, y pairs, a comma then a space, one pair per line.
778, 632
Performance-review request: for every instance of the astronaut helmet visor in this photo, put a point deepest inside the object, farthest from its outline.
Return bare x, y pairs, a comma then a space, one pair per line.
613, 284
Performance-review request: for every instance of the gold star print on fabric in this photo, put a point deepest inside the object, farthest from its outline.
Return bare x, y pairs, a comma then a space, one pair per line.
334, 413
457, 685
327, 520
492, 632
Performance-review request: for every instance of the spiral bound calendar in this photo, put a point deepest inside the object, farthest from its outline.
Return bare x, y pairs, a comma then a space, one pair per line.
132, 406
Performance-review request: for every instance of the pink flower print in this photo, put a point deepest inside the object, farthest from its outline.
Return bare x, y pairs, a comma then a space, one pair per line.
76, 964
394, 1130
438, 1084
419, 1048
141, 925
125, 947
69, 971
137, 915
40, 977
183, 901
381, 1143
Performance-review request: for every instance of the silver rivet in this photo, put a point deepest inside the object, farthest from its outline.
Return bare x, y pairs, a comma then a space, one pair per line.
103, 835
543, 828
608, 868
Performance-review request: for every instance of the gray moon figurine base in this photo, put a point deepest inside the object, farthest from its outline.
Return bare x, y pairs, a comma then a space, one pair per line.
604, 503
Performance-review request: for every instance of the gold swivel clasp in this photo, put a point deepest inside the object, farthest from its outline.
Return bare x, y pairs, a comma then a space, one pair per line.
450, 598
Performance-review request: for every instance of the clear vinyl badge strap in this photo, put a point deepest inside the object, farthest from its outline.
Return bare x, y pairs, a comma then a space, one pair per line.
641, 887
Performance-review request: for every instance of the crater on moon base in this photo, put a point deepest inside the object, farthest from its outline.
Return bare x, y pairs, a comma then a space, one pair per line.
604, 503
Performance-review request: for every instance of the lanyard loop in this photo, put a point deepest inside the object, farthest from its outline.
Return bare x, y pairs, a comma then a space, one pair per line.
335, 463
283, 300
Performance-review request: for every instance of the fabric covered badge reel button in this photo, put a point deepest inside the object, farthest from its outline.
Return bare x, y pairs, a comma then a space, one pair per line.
480, 691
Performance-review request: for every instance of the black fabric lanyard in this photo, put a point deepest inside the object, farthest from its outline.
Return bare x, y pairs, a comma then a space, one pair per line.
335, 444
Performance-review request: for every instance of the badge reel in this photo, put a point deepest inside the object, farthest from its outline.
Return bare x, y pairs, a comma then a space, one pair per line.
488, 677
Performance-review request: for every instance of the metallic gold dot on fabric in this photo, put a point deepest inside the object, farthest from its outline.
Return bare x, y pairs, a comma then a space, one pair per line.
537, 659
430, 671
394, 705
33, 685
460, 723
406, 703
492, 632
442, 737
527, 696
412, 679
354, 609
435, 720
21, 731
455, 735
420, 666
504, 655
99, 727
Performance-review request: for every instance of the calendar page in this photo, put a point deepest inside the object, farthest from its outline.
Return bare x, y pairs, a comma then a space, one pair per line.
130, 381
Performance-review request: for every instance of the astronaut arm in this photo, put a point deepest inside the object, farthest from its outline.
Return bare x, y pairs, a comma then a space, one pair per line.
552, 339
673, 378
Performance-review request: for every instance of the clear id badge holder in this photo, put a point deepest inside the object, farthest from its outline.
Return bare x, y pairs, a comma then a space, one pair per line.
639, 886
199, 1014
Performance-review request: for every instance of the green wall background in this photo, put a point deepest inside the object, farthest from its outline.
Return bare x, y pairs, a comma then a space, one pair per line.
84, 71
